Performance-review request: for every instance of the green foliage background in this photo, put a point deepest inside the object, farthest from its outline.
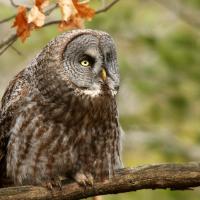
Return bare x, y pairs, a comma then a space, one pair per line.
160, 73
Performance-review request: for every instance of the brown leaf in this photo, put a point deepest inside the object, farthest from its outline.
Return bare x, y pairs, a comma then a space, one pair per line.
21, 24
41, 4
36, 17
84, 9
36, 14
75, 21
67, 9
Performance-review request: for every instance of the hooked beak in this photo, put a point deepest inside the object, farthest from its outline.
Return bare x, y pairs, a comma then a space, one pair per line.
103, 74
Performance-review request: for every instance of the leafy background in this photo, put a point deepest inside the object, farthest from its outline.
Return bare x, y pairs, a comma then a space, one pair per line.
159, 99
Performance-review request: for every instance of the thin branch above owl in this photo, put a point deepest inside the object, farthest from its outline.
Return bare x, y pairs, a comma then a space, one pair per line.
29, 18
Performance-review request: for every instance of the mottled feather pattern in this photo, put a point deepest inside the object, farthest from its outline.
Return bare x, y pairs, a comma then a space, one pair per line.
54, 128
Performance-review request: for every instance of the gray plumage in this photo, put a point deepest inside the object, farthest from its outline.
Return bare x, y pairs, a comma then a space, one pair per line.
59, 115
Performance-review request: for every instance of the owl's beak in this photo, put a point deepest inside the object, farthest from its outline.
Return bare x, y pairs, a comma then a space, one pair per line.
103, 74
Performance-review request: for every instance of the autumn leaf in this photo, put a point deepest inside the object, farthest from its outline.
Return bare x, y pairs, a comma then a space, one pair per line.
83, 9
41, 4
75, 21
25, 24
36, 17
74, 13
67, 9
21, 24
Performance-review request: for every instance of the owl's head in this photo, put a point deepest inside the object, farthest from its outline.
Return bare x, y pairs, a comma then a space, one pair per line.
85, 58
90, 63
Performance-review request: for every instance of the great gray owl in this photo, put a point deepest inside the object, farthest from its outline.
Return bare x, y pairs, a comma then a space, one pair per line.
59, 115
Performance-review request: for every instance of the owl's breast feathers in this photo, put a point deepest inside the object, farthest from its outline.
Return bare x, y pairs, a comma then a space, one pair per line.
14, 94
41, 138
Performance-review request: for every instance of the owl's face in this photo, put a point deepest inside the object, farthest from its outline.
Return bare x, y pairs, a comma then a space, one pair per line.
90, 63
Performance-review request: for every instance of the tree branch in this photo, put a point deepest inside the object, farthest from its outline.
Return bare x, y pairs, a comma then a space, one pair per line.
106, 7
5, 44
7, 19
13, 4
50, 10
157, 176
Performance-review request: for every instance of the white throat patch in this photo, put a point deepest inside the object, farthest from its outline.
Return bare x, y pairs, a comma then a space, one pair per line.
94, 91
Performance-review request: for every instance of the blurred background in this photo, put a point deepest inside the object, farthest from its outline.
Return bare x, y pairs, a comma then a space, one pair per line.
158, 45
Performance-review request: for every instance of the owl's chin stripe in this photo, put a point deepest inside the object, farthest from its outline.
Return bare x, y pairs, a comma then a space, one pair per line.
92, 93
95, 93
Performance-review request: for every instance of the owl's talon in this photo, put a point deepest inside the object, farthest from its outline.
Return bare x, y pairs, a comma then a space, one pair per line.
58, 183
84, 179
90, 179
52, 184
49, 185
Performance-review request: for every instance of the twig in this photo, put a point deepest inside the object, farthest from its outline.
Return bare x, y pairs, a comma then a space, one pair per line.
16, 50
50, 10
17, 5
190, 16
47, 13
13, 4
10, 40
7, 19
52, 23
158, 176
106, 7
5, 44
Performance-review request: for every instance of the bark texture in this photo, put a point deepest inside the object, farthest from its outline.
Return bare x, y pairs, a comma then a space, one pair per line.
157, 176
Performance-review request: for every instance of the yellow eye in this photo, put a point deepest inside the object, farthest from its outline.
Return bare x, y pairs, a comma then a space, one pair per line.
85, 63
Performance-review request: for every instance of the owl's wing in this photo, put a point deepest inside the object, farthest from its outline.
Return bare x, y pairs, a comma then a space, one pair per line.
12, 97
3, 143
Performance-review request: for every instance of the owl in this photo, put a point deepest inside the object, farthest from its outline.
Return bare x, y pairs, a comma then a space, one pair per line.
59, 115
